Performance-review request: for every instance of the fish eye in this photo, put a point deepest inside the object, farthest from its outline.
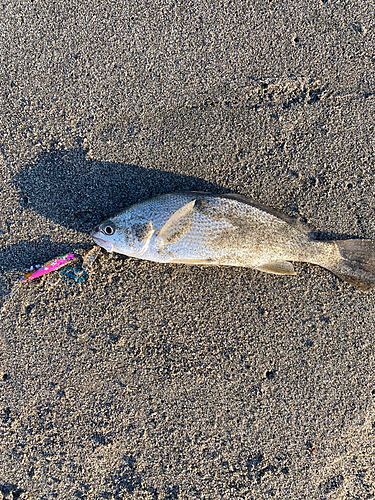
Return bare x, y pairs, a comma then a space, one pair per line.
108, 229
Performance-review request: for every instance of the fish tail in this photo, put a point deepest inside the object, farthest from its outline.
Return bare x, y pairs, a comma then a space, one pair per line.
355, 263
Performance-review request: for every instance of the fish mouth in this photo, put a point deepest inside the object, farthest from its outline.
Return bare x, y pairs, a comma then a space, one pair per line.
107, 245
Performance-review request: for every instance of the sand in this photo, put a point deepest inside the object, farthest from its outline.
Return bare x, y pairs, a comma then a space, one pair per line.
172, 382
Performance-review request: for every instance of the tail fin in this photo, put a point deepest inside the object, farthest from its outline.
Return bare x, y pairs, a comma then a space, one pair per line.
357, 263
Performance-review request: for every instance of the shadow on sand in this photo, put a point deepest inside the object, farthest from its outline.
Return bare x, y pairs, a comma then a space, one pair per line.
78, 193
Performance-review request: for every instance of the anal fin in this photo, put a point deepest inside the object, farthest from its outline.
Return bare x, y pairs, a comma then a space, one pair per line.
277, 267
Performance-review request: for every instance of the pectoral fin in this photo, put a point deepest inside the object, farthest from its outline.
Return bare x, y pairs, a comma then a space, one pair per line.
279, 267
178, 224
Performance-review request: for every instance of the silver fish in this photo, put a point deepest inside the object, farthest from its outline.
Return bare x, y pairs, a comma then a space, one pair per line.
208, 229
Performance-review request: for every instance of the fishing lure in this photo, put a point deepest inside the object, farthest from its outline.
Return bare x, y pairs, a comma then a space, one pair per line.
36, 271
68, 274
49, 267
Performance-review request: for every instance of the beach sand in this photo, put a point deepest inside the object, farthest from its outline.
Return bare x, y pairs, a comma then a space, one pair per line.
167, 381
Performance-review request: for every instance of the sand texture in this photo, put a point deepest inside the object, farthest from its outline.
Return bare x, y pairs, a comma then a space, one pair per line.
164, 382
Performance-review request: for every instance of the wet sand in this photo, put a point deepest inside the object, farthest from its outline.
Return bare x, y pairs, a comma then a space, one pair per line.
173, 382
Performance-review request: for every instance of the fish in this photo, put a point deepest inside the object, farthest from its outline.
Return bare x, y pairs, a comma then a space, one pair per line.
196, 228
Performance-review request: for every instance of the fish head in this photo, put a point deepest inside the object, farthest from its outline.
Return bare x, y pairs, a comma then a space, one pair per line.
104, 235
124, 234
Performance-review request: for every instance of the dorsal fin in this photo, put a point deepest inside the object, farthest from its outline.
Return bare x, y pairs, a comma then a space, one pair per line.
178, 224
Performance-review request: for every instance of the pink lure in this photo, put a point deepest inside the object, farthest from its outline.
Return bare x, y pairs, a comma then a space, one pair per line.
51, 265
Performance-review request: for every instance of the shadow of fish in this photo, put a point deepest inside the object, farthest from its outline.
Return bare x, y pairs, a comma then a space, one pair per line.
230, 230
